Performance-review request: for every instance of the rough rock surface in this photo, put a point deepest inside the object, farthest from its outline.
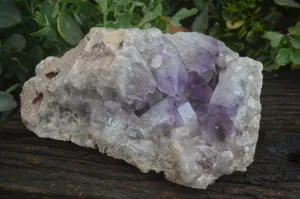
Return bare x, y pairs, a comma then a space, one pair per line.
182, 104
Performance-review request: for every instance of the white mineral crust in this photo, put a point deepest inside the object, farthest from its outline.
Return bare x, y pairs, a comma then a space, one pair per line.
132, 94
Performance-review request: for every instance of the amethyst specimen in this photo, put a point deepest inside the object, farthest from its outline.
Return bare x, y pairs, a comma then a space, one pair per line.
184, 104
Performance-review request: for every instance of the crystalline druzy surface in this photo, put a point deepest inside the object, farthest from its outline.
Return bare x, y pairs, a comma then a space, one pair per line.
182, 104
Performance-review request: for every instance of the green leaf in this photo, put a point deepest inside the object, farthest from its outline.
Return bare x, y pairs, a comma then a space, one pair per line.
295, 40
161, 23
55, 48
200, 4
78, 18
103, 6
107, 24
253, 37
37, 54
90, 10
295, 30
242, 32
46, 10
285, 40
40, 19
134, 5
295, 56
236, 46
136, 18
234, 25
182, 14
273, 17
153, 14
104, 10
287, 3
283, 57
9, 14
55, 11
252, 5
7, 102
47, 32
201, 22
16, 62
16, 41
19, 70
87, 17
274, 38
69, 29
124, 2
272, 67
146, 26
122, 16
72, 1
12, 88
4, 116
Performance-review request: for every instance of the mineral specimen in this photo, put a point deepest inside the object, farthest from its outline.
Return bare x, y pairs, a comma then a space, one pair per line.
182, 104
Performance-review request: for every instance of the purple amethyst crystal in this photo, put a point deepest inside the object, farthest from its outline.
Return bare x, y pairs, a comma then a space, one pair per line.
201, 93
182, 104
171, 77
194, 79
216, 123
217, 127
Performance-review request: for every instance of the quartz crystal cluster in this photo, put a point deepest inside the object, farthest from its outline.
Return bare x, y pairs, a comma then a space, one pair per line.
181, 104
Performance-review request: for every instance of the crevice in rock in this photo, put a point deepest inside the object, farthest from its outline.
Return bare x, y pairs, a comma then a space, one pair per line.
38, 98
51, 75
142, 111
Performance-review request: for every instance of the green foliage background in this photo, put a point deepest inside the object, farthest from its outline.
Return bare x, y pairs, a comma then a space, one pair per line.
31, 30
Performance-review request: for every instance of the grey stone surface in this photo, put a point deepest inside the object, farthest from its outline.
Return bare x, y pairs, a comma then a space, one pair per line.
132, 94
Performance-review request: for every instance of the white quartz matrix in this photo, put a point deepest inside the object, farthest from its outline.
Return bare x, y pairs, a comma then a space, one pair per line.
181, 104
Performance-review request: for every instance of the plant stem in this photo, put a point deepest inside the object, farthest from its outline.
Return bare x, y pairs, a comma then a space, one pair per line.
12, 88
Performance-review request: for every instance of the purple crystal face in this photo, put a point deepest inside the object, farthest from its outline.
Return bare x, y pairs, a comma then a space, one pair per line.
201, 93
216, 123
217, 128
171, 77
183, 95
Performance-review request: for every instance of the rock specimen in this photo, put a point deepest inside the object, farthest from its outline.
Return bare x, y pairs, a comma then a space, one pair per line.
182, 104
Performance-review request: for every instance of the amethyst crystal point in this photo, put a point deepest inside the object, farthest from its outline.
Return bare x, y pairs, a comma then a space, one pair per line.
171, 77
203, 49
217, 125
182, 104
